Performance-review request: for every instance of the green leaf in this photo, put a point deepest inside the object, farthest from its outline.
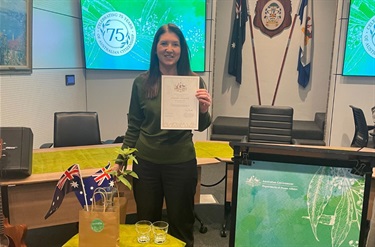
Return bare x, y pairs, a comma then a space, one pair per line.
133, 174
126, 154
132, 158
125, 182
119, 160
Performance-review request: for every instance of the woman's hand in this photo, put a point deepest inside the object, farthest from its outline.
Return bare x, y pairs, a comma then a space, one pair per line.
117, 167
204, 99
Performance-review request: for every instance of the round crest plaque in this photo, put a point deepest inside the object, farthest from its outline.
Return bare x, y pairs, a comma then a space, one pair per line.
273, 15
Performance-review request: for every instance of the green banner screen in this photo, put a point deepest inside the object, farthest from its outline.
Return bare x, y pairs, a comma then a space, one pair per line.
293, 205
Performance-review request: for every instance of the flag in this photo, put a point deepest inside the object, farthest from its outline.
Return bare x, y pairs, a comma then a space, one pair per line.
237, 40
68, 182
305, 51
98, 179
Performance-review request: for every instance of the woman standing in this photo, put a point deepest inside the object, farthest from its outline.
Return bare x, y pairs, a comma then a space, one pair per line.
167, 165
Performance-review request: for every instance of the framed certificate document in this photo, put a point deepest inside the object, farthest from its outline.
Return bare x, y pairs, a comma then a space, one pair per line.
179, 106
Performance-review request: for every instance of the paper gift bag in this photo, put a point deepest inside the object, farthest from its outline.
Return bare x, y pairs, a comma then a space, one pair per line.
98, 229
122, 204
99, 226
119, 200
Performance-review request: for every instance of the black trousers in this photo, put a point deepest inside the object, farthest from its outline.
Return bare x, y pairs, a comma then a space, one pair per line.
176, 183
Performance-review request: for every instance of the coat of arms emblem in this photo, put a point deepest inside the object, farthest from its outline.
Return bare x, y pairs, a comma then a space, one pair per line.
273, 16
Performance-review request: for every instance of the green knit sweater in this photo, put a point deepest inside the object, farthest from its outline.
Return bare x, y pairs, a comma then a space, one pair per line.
144, 132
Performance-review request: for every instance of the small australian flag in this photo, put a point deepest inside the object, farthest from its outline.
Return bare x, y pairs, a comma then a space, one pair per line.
99, 179
68, 182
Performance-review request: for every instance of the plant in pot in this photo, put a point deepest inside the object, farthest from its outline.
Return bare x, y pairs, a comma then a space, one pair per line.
126, 156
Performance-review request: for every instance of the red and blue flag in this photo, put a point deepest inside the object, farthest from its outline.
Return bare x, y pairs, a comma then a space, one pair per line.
68, 182
99, 179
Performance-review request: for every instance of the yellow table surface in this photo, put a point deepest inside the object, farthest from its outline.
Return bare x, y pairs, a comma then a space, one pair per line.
128, 238
59, 159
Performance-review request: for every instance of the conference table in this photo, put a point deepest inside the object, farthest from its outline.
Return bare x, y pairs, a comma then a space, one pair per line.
27, 200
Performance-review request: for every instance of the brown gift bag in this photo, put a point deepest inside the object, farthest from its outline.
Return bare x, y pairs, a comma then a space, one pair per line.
99, 226
122, 204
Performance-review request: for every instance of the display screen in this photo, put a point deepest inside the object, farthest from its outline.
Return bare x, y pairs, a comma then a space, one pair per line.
291, 204
359, 59
118, 34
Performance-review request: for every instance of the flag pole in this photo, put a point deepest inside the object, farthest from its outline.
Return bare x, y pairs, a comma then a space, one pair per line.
83, 188
253, 48
285, 53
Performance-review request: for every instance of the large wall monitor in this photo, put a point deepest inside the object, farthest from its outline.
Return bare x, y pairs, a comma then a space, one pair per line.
118, 35
359, 57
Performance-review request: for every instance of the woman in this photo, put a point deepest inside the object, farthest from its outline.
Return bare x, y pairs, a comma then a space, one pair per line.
167, 166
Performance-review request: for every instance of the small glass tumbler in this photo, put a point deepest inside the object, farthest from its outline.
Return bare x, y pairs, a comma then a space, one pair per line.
160, 230
143, 228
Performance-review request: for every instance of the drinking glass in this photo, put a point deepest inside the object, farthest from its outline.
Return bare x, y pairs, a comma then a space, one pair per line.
160, 230
143, 228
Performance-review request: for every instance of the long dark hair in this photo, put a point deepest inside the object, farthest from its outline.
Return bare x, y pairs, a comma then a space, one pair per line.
183, 65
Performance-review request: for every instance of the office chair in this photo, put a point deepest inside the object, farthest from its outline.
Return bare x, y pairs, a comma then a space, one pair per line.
75, 129
361, 132
267, 124
270, 124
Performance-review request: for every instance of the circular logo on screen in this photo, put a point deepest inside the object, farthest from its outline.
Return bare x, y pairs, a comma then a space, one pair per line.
368, 37
97, 225
115, 33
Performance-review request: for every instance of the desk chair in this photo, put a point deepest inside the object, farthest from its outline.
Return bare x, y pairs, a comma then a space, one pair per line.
270, 124
267, 124
361, 133
75, 129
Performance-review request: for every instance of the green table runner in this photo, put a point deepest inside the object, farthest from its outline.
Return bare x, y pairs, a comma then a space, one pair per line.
59, 161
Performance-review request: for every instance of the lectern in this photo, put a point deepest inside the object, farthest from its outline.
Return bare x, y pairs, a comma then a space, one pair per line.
287, 195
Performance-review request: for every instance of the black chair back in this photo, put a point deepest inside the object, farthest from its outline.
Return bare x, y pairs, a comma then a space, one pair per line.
270, 124
361, 134
76, 129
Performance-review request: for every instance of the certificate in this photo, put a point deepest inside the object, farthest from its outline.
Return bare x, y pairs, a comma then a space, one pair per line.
179, 105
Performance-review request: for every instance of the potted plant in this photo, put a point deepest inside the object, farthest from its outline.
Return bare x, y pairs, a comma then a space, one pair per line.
126, 156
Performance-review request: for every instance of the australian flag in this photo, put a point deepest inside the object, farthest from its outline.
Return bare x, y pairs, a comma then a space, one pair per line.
68, 182
237, 40
99, 179
305, 51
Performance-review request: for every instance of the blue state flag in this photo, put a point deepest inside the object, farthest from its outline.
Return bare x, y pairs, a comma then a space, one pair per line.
305, 51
